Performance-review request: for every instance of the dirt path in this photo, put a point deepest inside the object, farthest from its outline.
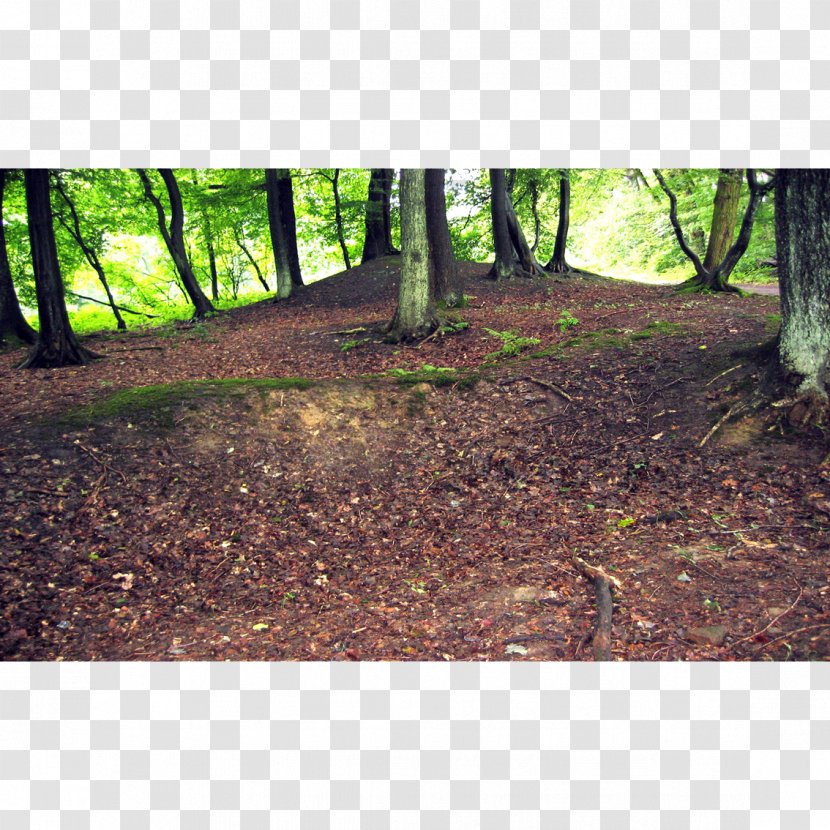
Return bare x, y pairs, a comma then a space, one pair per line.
434, 515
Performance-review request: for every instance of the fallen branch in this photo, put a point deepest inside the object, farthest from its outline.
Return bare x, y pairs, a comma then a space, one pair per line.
553, 388
771, 624
722, 374
138, 349
789, 634
107, 468
732, 411
603, 585
119, 307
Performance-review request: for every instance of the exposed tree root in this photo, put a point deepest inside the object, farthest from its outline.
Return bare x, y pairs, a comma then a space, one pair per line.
604, 584
743, 407
695, 285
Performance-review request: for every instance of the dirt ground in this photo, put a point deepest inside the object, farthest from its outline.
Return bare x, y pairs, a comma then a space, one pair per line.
414, 515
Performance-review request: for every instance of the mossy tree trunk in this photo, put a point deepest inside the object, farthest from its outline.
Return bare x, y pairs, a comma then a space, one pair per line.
415, 315
802, 223
12, 322
443, 267
724, 217
174, 238
56, 344
279, 242
378, 239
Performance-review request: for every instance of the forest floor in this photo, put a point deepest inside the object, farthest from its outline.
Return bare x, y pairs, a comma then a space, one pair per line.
426, 514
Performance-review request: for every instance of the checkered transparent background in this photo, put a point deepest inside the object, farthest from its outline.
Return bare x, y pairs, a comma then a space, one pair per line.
415, 83
408, 745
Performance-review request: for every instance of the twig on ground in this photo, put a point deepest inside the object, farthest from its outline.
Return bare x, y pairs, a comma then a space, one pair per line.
722, 374
546, 384
603, 585
733, 410
771, 624
789, 634
107, 467
660, 389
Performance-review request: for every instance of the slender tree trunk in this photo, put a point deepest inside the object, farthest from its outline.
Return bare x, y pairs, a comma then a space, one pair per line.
278, 241
415, 315
214, 274
558, 263
174, 238
56, 344
534, 207
802, 222
724, 217
338, 218
285, 191
444, 268
12, 322
90, 254
244, 248
378, 240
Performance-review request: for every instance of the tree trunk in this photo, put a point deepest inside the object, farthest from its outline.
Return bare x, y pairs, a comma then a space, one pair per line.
338, 218
214, 274
717, 280
443, 267
558, 262
534, 208
56, 344
802, 223
415, 315
378, 240
513, 256
12, 322
244, 248
74, 230
279, 243
285, 191
724, 217
174, 238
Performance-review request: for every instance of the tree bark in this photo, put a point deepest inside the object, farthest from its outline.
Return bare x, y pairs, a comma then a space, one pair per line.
717, 279
279, 242
513, 256
558, 263
56, 344
285, 191
12, 322
443, 267
174, 238
724, 217
802, 223
378, 239
415, 314
244, 248
90, 254
338, 218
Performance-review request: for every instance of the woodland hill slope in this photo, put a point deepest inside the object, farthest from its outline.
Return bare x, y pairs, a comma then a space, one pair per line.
377, 508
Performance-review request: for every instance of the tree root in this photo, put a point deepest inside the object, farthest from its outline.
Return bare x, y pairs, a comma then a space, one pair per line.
603, 586
744, 407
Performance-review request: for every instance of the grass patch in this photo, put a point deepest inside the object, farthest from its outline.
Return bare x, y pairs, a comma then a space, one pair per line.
160, 399
434, 376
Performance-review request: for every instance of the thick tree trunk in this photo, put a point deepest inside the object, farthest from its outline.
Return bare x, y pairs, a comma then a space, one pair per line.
724, 217
91, 256
802, 222
174, 238
513, 256
415, 315
12, 322
285, 190
444, 268
56, 343
378, 239
279, 242
558, 263
338, 218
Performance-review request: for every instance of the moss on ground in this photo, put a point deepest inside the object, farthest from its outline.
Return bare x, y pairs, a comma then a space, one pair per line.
159, 400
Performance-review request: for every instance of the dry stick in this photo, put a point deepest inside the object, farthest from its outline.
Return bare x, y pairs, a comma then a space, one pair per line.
733, 410
603, 583
767, 627
553, 388
790, 634
107, 467
661, 389
739, 366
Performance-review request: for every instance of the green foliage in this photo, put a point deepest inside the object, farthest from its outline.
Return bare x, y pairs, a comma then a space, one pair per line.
348, 345
512, 343
566, 320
